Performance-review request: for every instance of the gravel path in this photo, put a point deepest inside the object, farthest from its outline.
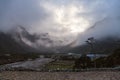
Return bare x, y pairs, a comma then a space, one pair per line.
60, 75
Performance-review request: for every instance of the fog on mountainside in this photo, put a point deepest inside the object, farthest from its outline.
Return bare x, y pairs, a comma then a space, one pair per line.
60, 26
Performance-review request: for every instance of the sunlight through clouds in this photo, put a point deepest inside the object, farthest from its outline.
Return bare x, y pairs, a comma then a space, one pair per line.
66, 16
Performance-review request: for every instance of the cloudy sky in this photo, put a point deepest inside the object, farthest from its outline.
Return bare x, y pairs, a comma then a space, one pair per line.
65, 20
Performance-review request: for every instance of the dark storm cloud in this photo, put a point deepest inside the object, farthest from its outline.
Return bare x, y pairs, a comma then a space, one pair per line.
20, 12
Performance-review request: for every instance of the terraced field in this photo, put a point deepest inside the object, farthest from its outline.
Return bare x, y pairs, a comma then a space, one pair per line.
62, 64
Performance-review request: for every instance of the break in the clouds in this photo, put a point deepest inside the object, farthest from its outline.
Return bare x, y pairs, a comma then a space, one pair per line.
65, 20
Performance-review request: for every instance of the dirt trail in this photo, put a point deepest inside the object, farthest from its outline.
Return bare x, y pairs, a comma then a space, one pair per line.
23, 75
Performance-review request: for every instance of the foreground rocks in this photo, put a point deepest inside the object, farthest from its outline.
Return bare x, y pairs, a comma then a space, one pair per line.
95, 75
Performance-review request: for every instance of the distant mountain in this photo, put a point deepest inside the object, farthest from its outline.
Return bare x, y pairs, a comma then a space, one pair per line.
20, 35
19, 40
104, 46
40, 42
8, 44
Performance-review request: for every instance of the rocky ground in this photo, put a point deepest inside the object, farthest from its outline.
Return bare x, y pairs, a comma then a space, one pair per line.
24, 75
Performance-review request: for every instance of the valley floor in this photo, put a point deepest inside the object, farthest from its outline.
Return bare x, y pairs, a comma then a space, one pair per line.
24, 75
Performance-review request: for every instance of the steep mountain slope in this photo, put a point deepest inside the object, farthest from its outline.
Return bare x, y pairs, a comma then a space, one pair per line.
8, 44
103, 46
42, 42
39, 42
107, 41
20, 40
